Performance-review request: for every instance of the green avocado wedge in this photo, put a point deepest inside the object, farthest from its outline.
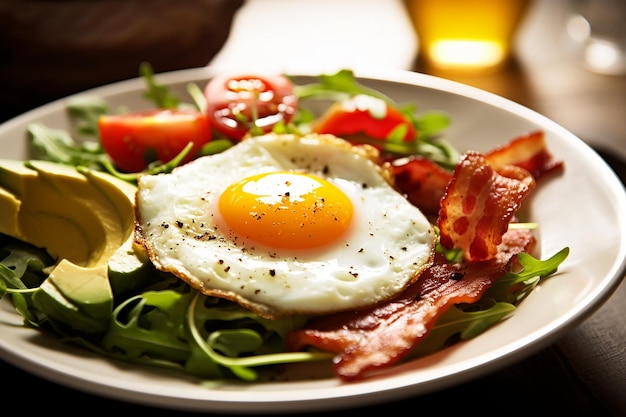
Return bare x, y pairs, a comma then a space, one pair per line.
77, 296
85, 220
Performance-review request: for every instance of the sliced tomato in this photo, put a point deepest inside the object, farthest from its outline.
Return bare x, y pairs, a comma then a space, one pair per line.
240, 104
135, 139
364, 115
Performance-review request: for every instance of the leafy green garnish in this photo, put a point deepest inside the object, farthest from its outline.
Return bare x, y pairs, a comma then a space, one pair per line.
513, 287
456, 324
233, 342
58, 145
85, 110
81, 146
157, 93
429, 125
336, 87
465, 321
167, 324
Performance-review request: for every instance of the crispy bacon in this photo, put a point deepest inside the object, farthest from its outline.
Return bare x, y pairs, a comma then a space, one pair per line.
475, 204
478, 205
527, 151
378, 337
422, 181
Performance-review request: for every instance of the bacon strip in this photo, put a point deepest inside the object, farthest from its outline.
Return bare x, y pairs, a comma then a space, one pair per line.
475, 204
478, 205
378, 337
527, 151
422, 181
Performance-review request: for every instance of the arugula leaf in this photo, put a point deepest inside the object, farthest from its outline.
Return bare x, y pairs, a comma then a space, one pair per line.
22, 267
58, 146
156, 92
457, 324
465, 321
242, 366
149, 325
197, 96
85, 111
429, 125
26, 263
336, 87
513, 287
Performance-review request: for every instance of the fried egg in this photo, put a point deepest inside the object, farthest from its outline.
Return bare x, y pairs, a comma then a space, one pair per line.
285, 224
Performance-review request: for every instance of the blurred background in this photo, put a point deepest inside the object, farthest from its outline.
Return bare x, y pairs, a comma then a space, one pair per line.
53, 48
562, 58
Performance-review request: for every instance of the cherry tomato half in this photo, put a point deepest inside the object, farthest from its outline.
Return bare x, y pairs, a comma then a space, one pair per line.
240, 104
135, 139
363, 115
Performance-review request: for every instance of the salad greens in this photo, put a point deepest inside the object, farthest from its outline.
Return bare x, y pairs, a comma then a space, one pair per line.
165, 323
168, 324
429, 124
82, 147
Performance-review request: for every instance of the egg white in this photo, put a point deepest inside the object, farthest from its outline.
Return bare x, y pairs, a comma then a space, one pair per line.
388, 245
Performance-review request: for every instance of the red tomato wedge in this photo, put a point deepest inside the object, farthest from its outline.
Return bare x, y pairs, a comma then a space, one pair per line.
240, 104
364, 115
135, 139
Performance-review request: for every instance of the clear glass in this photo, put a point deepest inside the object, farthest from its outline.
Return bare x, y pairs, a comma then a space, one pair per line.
466, 35
600, 28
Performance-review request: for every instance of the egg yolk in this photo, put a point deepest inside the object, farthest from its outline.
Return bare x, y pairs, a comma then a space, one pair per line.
286, 210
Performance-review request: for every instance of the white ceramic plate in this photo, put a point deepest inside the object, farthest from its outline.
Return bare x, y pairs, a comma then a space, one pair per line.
582, 208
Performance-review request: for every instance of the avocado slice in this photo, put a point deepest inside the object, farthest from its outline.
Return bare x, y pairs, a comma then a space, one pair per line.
129, 269
85, 205
79, 297
60, 211
85, 220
